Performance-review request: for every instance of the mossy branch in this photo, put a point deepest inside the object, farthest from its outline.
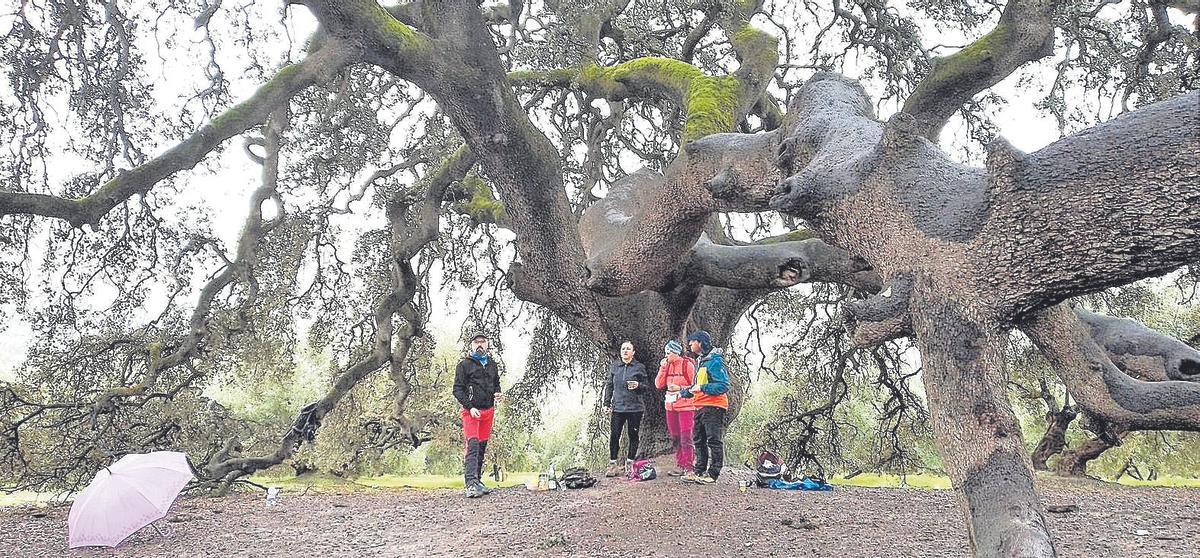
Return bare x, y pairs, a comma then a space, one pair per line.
1024, 33
710, 103
378, 31
481, 203
757, 51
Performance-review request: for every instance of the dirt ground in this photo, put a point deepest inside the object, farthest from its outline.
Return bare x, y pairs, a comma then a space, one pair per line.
618, 518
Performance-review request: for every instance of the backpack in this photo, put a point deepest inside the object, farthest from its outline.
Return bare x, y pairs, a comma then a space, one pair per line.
768, 467
577, 477
642, 470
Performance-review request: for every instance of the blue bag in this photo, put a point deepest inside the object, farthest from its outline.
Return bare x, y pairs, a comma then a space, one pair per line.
806, 483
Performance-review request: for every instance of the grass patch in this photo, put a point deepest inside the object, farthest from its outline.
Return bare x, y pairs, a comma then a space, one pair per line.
321, 482
25, 498
1163, 481
873, 480
440, 481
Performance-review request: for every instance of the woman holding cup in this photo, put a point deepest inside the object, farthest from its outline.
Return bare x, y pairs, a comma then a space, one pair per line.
675, 372
623, 403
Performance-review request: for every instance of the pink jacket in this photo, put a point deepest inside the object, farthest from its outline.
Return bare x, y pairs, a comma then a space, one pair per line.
680, 371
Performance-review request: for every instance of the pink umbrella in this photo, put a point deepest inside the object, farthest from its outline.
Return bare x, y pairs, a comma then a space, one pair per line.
126, 496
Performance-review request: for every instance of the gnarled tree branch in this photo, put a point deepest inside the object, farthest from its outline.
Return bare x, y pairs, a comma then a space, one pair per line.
1024, 33
774, 266
318, 67
1102, 388
391, 344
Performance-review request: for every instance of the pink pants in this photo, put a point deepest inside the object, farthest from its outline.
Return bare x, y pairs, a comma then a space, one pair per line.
679, 426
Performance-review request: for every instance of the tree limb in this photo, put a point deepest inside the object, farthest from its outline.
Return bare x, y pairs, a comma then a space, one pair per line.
254, 231
1029, 231
318, 67
1103, 389
774, 266
390, 344
1024, 33
649, 249
1140, 351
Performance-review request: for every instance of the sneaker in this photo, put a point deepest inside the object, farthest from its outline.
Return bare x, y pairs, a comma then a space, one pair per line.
473, 491
705, 480
483, 487
613, 470
689, 477
677, 472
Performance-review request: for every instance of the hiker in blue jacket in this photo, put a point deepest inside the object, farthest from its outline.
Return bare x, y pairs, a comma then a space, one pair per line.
627, 382
710, 395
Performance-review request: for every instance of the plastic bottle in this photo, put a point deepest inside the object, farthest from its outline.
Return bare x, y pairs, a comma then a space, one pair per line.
553, 480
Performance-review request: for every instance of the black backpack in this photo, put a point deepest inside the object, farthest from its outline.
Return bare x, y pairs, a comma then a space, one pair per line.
577, 477
768, 467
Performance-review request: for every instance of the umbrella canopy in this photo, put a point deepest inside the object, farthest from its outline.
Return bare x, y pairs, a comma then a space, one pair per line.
126, 496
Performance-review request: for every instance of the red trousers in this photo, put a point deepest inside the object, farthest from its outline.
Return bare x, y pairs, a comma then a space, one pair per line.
477, 428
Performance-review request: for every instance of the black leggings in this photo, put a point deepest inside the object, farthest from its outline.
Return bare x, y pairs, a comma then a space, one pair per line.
619, 420
708, 433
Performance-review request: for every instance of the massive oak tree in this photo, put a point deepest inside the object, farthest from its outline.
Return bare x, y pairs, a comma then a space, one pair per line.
953, 255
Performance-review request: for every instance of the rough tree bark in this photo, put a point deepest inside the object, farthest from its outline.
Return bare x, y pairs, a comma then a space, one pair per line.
965, 253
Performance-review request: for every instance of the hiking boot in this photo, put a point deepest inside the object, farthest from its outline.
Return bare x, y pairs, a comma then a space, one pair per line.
705, 480
613, 470
689, 477
473, 491
677, 472
483, 487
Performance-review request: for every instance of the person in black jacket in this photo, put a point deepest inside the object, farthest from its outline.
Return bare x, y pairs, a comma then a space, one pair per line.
623, 401
477, 389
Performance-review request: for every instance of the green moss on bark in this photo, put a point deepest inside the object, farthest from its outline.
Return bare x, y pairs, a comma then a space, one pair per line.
394, 32
800, 234
710, 103
281, 84
483, 206
757, 49
973, 59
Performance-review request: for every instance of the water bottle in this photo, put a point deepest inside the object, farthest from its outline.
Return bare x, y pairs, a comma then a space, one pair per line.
272, 496
552, 482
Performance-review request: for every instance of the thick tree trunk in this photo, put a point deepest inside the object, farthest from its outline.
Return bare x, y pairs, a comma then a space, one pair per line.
649, 319
977, 433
